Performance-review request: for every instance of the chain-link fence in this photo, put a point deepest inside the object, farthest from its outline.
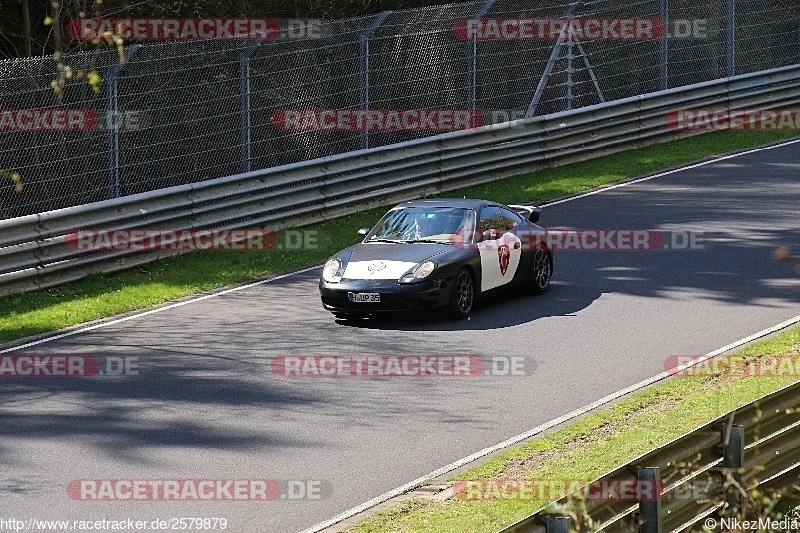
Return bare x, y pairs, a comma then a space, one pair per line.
181, 112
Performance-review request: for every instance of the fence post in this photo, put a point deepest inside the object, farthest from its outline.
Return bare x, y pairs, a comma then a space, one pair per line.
244, 95
472, 63
733, 462
363, 76
112, 121
650, 509
663, 59
731, 37
557, 524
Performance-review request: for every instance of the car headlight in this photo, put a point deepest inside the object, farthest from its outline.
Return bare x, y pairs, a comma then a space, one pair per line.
419, 272
333, 271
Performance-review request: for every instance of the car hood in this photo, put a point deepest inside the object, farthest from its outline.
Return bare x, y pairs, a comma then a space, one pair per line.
383, 260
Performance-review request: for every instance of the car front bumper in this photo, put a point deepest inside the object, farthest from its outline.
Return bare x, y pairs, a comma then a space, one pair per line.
394, 296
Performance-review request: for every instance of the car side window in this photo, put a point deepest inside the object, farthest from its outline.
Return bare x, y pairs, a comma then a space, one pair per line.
512, 219
499, 219
490, 218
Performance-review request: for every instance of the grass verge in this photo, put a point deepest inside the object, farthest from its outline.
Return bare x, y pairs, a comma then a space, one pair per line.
104, 295
591, 446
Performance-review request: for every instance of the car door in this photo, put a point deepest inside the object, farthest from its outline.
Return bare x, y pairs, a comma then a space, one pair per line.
499, 247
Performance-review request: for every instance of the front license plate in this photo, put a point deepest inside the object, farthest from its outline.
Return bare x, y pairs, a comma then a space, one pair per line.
369, 297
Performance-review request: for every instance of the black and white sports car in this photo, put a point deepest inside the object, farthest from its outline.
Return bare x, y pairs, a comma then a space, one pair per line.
438, 253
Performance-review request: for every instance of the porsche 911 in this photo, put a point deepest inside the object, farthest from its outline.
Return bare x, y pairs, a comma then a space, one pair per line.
443, 253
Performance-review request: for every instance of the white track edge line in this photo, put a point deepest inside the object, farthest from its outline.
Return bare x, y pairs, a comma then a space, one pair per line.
538, 429
673, 171
157, 310
276, 278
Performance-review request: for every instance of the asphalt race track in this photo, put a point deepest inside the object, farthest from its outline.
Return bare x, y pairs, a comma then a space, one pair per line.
206, 405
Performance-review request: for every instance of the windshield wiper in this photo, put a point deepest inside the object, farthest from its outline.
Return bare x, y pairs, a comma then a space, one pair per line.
389, 240
430, 241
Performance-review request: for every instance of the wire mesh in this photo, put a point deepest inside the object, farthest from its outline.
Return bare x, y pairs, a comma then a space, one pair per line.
182, 112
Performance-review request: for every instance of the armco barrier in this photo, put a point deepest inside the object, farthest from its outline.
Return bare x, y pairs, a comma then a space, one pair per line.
762, 437
33, 254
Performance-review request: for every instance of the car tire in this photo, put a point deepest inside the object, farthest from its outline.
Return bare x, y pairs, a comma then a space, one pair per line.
541, 272
462, 294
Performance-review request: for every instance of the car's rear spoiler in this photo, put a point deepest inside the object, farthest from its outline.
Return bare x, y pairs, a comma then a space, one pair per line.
530, 212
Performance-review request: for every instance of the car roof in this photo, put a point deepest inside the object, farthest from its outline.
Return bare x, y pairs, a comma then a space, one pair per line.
463, 203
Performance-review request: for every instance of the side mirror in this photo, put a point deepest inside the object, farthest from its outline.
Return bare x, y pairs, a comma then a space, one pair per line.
363, 232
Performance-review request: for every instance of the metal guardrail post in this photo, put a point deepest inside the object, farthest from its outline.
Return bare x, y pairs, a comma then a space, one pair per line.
650, 509
557, 524
663, 58
733, 462
363, 74
112, 121
472, 63
244, 95
731, 36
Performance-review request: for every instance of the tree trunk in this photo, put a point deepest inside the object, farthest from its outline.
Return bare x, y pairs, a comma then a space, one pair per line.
26, 28
55, 14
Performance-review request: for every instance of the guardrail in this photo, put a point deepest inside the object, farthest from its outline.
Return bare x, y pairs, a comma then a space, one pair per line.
762, 437
33, 253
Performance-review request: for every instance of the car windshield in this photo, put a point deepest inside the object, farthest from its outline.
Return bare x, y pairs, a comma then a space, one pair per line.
424, 224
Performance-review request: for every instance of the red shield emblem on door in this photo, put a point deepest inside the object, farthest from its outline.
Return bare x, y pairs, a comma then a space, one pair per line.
505, 255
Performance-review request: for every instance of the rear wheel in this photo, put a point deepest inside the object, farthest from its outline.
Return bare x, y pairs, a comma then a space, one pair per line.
541, 272
462, 295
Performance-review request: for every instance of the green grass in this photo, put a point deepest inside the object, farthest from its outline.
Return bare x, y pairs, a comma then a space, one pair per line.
167, 279
591, 446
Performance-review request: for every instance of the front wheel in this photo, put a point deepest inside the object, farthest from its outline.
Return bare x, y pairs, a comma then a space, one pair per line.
541, 272
462, 295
